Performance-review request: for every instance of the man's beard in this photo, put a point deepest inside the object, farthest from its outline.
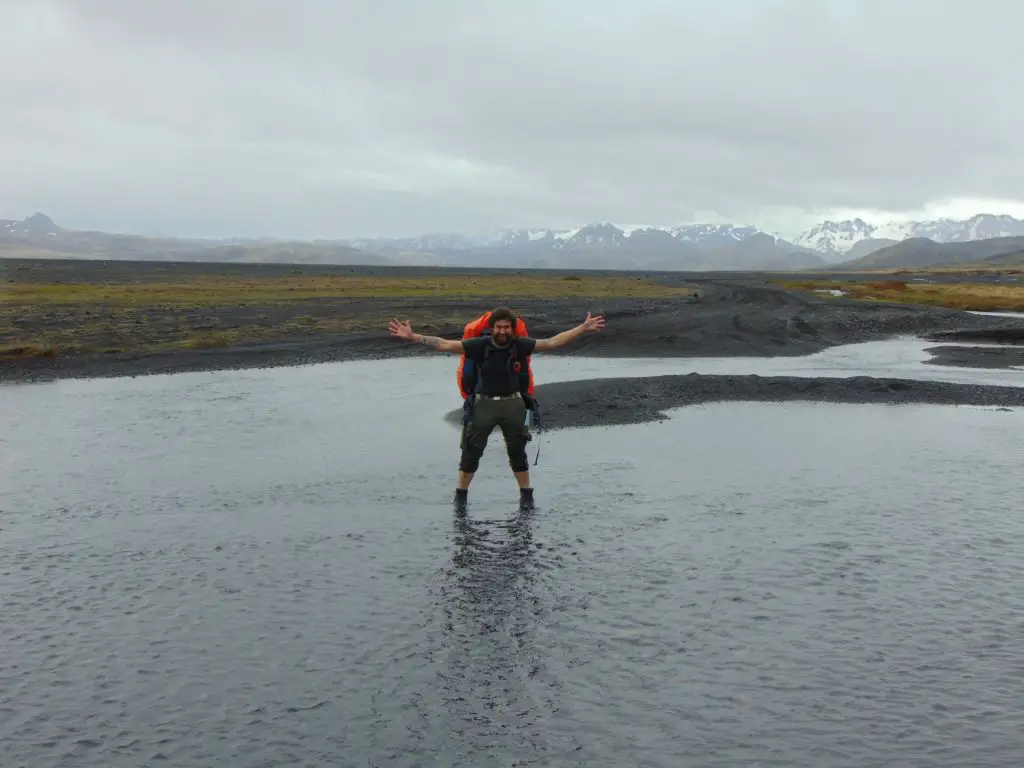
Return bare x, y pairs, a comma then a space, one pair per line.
502, 338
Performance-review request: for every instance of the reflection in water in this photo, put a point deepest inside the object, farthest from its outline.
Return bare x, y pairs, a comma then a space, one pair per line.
492, 559
493, 604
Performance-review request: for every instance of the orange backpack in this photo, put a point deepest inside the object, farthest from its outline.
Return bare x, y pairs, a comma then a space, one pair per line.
467, 373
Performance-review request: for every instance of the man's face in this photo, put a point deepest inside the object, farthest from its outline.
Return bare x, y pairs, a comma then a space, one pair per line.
502, 332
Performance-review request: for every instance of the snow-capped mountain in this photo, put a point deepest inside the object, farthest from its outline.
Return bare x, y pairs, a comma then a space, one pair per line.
856, 237
592, 235
983, 226
690, 244
606, 245
597, 245
836, 237
35, 225
714, 235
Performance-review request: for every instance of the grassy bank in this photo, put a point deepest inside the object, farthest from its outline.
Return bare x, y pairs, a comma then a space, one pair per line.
232, 291
970, 268
88, 318
967, 296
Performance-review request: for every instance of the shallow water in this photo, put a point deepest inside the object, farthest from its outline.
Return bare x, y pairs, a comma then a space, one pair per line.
262, 568
899, 358
998, 314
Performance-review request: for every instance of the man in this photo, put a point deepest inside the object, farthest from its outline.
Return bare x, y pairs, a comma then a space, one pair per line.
498, 402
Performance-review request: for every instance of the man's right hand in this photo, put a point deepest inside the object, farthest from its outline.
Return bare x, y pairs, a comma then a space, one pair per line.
401, 330
404, 331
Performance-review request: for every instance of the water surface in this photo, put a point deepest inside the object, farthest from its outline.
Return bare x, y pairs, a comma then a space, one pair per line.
262, 568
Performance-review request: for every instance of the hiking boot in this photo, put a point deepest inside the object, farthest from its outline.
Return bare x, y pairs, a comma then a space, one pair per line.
526, 498
461, 497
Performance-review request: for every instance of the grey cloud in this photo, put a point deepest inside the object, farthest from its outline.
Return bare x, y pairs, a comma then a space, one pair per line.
338, 118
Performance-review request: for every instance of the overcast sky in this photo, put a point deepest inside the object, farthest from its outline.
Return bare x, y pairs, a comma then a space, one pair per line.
329, 118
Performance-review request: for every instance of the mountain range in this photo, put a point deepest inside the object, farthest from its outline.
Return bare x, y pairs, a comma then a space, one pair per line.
833, 241
606, 246
846, 244
854, 238
39, 237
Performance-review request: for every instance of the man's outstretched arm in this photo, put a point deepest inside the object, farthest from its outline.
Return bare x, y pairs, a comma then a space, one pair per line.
563, 338
404, 331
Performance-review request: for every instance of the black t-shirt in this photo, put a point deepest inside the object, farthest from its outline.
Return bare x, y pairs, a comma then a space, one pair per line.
496, 374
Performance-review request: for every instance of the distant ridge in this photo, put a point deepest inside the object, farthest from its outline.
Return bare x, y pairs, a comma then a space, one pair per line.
853, 244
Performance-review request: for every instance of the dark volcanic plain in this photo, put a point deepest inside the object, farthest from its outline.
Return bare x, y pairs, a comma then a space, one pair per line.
727, 314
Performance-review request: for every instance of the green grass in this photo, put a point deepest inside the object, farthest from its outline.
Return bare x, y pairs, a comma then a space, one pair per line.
69, 318
228, 291
17, 350
967, 296
119, 331
971, 268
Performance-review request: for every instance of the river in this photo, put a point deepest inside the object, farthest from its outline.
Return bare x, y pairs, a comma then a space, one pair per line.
261, 567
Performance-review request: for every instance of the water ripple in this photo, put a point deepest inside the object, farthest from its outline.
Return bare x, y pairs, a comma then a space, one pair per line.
762, 585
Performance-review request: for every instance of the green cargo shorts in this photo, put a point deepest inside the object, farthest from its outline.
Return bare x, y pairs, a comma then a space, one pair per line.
507, 414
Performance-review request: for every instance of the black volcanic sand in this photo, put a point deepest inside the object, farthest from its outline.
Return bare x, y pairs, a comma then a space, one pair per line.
977, 357
735, 314
607, 402
1013, 333
999, 352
